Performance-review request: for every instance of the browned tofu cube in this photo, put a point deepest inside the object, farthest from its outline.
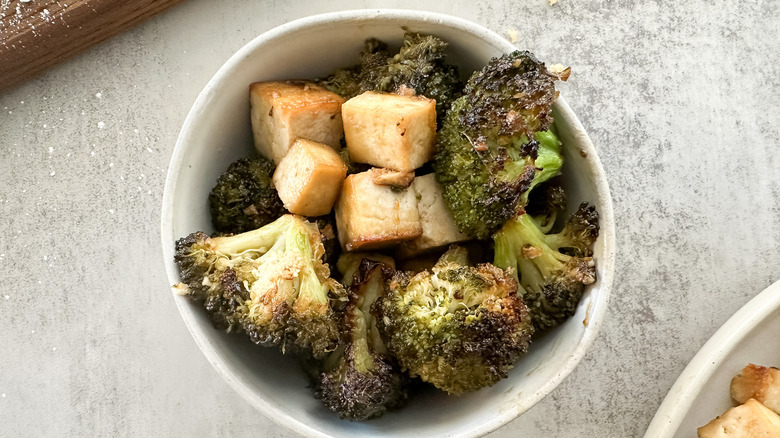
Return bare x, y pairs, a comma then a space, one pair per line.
388, 130
309, 178
760, 383
749, 420
439, 228
370, 216
282, 112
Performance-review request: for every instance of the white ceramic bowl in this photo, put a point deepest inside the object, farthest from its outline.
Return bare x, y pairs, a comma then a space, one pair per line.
217, 132
701, 393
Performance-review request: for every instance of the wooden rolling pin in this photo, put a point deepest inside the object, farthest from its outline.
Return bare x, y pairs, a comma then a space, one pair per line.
37, 34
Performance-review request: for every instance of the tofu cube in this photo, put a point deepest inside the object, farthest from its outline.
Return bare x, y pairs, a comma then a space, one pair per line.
439, 228
749, 420
282, 112
308, 179
760, 383
370, 216
388, 130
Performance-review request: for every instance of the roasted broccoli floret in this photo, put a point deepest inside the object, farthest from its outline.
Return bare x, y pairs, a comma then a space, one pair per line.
270, 282
419, 65
361, 380
553, 268
489, 142
244, 197
458, 327
350, 81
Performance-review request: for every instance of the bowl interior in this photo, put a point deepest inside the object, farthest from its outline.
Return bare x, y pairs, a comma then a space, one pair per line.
217, 132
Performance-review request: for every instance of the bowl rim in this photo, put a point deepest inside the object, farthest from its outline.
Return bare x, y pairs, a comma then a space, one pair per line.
596, 310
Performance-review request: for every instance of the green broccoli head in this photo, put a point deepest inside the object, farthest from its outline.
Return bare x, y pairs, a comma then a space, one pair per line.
458, 327
271, 282
512, 95
489, 142
361, 379
244, 197
579, 234
419, 65
479, 200
553, 268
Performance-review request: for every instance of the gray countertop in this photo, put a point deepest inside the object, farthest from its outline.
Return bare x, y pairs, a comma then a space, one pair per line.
682, 100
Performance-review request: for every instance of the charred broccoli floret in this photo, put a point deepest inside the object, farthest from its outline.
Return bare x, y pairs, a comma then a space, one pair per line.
244, 197
270, 282
489, 141
458, 327
361, 379
219, 292
419, 65
553, 268
579, 234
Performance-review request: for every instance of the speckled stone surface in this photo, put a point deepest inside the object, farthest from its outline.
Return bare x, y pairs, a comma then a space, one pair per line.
682, 100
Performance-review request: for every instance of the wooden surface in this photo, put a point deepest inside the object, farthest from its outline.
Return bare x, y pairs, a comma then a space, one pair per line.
37, 34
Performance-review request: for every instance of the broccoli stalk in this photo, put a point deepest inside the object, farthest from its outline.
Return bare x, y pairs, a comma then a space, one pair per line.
490, 140
361, 379
548, 162
458, 327
270, 282
553, 269
244, 197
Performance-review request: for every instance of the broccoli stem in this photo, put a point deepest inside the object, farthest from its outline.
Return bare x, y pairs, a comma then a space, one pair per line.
311, 286
260, 240
362, 355
537, 262
558, 241
505, 256
549, 157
